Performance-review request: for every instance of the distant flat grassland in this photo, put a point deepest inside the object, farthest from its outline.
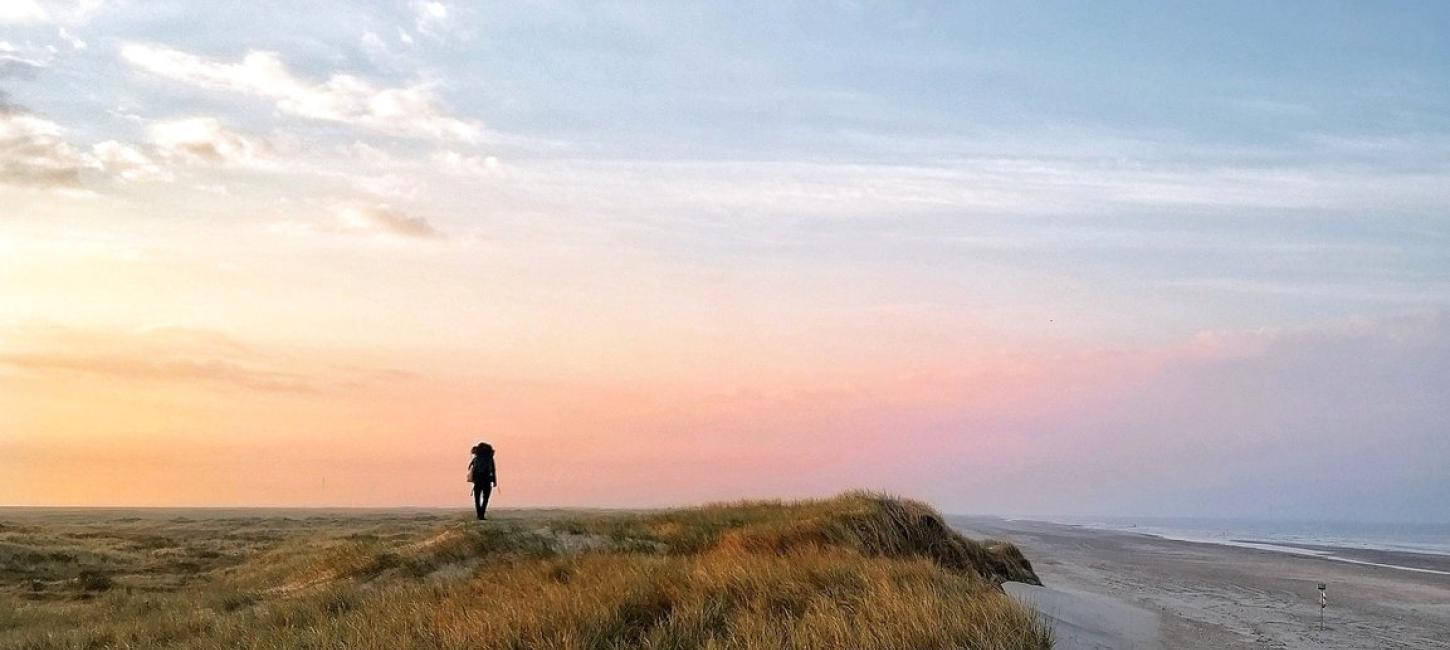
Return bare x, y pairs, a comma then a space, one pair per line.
856, 571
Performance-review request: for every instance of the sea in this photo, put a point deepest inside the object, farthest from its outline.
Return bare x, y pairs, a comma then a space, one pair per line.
1286, 536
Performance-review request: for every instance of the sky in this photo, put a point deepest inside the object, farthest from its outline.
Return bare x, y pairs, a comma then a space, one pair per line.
1111, 258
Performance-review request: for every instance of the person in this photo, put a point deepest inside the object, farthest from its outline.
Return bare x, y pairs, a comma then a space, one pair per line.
484, 477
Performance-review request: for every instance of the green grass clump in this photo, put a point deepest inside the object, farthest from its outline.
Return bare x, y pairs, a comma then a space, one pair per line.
857, 571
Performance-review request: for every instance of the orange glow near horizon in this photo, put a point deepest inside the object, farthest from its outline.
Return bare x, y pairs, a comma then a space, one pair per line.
181, 417
161, 377
143, 374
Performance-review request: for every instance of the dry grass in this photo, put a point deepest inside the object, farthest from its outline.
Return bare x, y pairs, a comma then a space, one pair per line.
858, 571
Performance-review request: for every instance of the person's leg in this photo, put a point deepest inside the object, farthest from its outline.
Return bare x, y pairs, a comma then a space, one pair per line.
487, 491
477, 504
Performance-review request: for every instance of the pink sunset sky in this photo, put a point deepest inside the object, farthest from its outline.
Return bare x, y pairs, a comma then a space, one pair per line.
660, 258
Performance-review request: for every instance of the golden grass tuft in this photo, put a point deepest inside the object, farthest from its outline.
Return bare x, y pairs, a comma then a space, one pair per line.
857, 571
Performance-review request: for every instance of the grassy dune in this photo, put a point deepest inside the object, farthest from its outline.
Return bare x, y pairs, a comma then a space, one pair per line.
858, 571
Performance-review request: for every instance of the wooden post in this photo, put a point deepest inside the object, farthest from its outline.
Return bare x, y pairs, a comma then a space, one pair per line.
1323, 602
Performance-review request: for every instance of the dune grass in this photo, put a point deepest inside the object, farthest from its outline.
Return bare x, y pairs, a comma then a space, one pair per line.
857, 571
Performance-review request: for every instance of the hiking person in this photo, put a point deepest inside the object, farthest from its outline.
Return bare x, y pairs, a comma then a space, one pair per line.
482, 475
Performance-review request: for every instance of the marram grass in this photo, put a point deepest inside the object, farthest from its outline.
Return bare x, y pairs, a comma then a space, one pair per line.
856, 571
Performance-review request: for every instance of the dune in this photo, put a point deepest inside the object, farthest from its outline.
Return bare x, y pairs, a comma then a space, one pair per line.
859, 571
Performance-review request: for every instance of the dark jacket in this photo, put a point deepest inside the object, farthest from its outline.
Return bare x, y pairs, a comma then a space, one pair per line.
481, 469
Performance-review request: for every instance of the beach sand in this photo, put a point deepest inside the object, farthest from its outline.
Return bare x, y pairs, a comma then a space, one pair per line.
1106, 589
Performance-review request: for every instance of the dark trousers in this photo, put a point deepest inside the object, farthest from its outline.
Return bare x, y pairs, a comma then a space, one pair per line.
481, 492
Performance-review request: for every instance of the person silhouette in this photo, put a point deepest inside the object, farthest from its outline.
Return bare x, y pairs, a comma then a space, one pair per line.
484, 477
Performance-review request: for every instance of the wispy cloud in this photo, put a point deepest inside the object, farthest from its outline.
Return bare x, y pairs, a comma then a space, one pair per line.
430, 16
984, 186
23, 63
34, 153
165, 355
452, 162
384, 219
411, 110
198, 357
214, 371
205, 140
359, 218
48, 11
128, 163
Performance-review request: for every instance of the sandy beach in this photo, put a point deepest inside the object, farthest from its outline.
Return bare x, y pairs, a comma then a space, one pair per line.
1106, 589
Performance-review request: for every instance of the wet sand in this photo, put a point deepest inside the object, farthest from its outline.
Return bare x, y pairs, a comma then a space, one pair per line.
1106, 589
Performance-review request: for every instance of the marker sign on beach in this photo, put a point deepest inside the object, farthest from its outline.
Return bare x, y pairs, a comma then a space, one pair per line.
1323, 602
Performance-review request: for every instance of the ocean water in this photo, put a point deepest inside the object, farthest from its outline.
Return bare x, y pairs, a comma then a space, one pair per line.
1282, 536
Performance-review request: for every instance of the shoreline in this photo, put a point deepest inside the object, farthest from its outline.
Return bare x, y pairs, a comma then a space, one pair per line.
1117, 589
1433, 563
1189, 535
1422, 561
